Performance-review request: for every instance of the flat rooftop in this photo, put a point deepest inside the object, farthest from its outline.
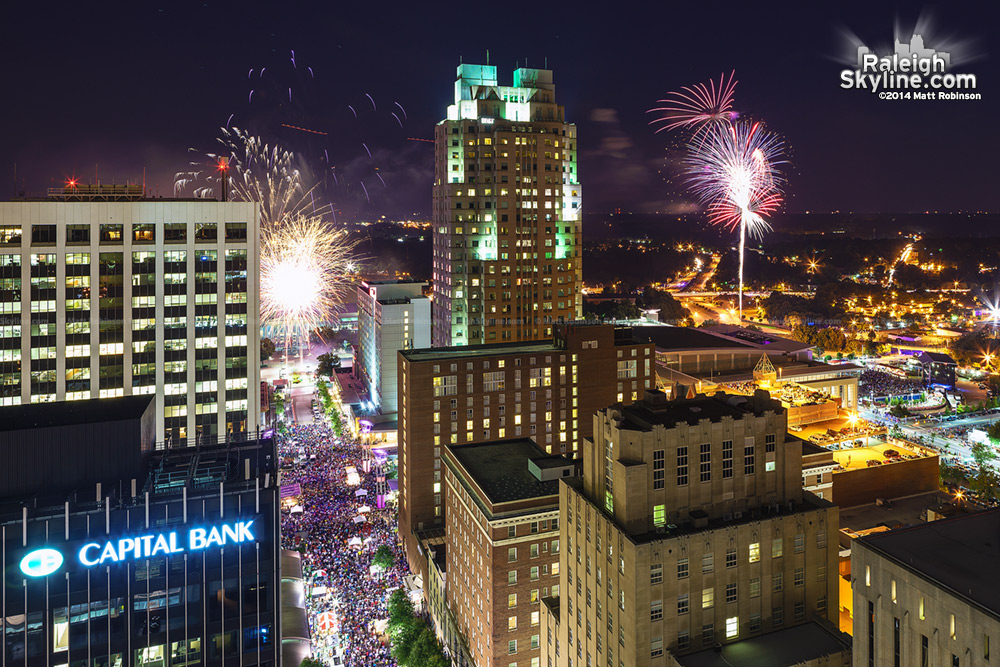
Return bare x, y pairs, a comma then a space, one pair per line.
72, 413
956, 554
685, 338
759, 338
901, 512
474, 351
783, 648
645, 414
500, 468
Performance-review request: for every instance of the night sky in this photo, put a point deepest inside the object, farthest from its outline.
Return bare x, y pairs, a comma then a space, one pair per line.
118, 88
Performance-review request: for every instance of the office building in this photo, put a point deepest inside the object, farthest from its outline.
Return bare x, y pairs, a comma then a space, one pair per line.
104, 293
503, 545
925, 595
543, 390
689, 528
507, 253
392, 316
171, 562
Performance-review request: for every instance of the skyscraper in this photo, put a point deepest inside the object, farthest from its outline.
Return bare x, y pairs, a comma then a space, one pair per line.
507, 262
104, 293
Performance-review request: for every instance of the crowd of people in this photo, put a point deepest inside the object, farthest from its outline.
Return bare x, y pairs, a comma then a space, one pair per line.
873, 382
327, 535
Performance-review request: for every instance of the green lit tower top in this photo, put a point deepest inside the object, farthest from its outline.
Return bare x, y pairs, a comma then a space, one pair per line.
507, 250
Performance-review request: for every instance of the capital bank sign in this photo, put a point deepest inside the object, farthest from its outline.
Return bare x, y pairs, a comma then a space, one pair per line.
43, 562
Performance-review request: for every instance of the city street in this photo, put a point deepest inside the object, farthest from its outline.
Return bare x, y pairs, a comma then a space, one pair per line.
336, 524
935, 433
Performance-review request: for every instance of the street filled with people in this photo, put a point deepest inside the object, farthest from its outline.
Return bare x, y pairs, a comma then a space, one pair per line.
337, 526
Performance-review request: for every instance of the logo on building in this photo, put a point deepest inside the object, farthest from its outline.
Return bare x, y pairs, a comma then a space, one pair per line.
41, 562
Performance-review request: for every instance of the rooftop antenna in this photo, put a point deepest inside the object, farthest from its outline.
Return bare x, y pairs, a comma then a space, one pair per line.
487, 56
546, 62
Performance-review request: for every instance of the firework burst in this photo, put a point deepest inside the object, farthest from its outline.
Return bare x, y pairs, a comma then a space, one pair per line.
305, 271
696, 107
306, 262
733, 166
734, 169
264, 174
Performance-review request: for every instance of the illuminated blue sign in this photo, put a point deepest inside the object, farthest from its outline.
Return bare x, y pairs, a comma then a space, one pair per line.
155, 544
41, 562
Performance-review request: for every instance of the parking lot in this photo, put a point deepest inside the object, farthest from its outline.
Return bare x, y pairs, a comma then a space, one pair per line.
853, 458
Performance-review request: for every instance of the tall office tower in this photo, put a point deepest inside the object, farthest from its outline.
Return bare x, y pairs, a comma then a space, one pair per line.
544, 390
135, 558
104, 293
392, 316
507, 256
689, 528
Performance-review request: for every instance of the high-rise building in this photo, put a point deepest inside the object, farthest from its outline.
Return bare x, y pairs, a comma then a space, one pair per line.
502, 546
688, 528
543, 390
392, 316
144, 559
507, 256
104, 293
925, 595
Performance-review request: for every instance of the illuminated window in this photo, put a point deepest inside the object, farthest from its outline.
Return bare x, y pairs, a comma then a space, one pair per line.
707, 598
732, 627
755, 552
659, 515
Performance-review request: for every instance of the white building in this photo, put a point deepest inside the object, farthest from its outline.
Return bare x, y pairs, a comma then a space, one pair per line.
392, 315
104, 293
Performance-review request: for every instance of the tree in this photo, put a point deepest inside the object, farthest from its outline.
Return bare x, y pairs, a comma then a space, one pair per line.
671, 310
327, 364
899, 411
426, 650
383, 558
310, 662
708, 323
993, 431
399, 606
267, 348
985, 480
404, 636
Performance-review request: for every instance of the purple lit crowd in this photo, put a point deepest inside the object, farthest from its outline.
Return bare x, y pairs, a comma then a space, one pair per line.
325, 529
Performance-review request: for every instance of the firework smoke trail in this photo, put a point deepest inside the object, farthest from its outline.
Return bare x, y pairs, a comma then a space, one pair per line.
734, 170
697, 106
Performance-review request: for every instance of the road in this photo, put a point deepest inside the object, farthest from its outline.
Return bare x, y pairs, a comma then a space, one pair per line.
300, 396
934, 433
